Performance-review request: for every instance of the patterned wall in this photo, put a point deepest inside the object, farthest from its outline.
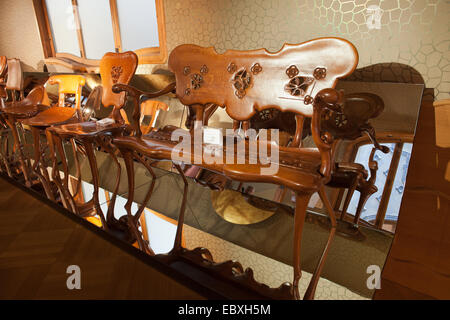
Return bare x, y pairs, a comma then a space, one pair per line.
19, 34
412, 32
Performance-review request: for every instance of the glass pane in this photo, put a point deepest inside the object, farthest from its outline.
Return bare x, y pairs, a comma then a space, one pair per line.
399, 184
370, 209
62, 24
161, 233
95, 20
138, 24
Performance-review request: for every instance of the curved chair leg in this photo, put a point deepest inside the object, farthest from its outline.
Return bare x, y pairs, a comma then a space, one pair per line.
38, 165
106, 145
4, 151
77, 167
348, 197
88, 145
19, 148
364, 195
132, 221
301, 203
141, 208
55, 145
309, 295
178, 236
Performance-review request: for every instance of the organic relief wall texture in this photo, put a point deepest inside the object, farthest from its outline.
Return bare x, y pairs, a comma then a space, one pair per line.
411, 32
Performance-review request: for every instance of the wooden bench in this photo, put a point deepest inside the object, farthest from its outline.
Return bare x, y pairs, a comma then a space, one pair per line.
298, 78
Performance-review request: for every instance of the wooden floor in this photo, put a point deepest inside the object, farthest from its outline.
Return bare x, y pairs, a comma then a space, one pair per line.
38, 243
418, 264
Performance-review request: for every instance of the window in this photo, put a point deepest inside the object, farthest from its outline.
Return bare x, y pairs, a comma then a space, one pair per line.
77, 33
383, 207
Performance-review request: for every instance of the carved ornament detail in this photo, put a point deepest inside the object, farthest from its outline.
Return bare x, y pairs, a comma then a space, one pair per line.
116, 71
320, 73
241, 82
340, 120
298, 86
308, 99
232, 68
204, 69
186, 70
196, 81
292, 71
256, 68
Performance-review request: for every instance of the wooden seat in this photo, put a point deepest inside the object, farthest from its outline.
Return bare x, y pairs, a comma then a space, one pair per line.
13, 111
298, 78
349, 124
67, 85
297, 169
51, 116
86, 129
87, 135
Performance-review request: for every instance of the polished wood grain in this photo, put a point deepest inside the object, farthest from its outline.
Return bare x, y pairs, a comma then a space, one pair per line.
114, 68
3, 68
299, 78
67, 85
418, 263
13, 112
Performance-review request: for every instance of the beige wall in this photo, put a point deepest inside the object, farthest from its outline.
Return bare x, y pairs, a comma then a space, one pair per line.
413, 32
19, 34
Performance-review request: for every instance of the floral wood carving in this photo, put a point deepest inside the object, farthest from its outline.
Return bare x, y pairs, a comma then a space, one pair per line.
340, 120
116, 71
196, 81
231, 68
186, 70
308, 99
292, 71
233, 270
320, 73
241, 82
298, 86
204, 69
256, 68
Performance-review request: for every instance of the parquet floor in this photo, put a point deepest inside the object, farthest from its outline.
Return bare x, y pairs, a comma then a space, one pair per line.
38, 243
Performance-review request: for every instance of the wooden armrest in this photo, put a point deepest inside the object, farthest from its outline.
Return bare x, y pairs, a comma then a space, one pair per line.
132, 91
326, 99
370, 131
330, 99
137, 94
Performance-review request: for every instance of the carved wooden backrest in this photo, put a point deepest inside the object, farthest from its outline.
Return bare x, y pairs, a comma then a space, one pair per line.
353, 121
246, 81
3, 67
37, 95
116, 68
68, 84
15, 76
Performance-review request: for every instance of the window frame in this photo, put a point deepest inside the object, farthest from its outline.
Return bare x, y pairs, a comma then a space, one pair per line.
351, 150
150, 55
